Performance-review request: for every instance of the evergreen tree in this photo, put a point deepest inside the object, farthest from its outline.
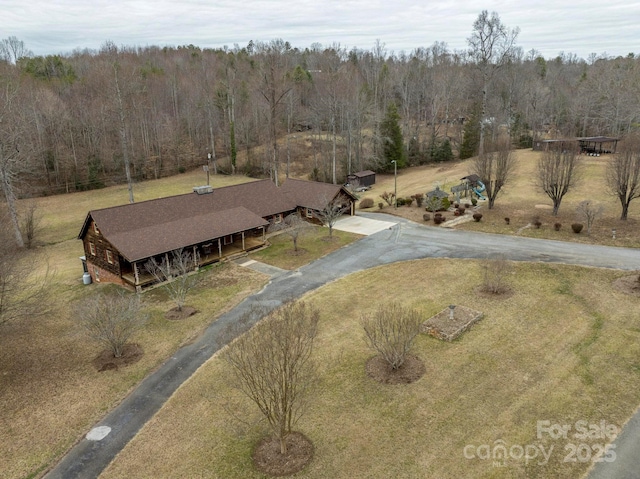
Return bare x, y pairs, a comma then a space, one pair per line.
392, 140
470, 136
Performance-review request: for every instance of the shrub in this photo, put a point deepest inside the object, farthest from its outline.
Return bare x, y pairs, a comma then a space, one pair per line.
438, 219
408, 201
474, 201
366, 203
467, 205
537, 224
576, 227
388, 197
390, 331
507, 220
400, 202
419, 197
557, 226
426, 217
495, 275
381, 205
181, 169
477, 217
446, 203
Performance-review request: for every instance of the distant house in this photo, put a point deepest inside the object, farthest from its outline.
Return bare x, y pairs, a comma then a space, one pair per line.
362, 178
214, 223
312, 196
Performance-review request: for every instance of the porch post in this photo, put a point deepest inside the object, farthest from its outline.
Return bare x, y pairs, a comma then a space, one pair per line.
243, 241
135, 272
219, 248
195, 258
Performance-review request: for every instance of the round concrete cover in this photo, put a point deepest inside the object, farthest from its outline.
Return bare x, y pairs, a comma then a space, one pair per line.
98, 433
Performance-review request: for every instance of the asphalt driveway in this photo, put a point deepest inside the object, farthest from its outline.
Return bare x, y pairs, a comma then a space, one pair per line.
402, 241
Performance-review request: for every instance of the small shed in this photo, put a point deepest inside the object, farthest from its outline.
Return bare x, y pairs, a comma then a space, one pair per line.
363, 178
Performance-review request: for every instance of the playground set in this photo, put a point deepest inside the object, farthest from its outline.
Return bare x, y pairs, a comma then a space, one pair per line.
470, 184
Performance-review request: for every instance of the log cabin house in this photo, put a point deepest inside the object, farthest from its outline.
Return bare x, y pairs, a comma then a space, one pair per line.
312, 197
213, 223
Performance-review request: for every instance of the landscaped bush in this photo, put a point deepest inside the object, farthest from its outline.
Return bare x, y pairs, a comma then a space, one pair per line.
477, 217
408, 201
419, 197
426, 217
438, 219
474, 201
400, 202
366, 203
381, 205
446, 203
388, 197
536, 222
557, 226
507, 220
577, 227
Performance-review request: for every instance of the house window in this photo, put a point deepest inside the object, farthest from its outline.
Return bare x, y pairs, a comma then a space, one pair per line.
277, 218
308, 212
95, 228
109, 256
228, 239
92, 248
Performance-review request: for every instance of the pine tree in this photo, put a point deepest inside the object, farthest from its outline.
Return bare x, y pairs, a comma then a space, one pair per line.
392, 140
470, 136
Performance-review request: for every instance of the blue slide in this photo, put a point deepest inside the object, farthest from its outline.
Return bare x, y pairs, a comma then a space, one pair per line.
479, 189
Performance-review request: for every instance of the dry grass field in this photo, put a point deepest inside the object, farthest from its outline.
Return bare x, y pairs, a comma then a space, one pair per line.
562, 347
49, 389
521, 201
539, 354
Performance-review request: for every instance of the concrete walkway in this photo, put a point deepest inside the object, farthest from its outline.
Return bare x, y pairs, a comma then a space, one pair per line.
403, 241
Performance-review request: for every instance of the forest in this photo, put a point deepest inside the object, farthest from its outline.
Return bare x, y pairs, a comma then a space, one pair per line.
94, 118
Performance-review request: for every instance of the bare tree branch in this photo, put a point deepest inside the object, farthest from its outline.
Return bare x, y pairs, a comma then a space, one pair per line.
177, 274
272, 365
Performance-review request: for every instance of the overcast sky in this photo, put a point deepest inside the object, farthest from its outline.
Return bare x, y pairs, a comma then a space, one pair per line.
551, 27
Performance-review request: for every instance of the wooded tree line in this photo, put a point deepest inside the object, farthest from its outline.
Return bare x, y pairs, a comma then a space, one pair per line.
91, 118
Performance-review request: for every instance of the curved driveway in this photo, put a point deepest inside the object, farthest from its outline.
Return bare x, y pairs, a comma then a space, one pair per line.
404, 241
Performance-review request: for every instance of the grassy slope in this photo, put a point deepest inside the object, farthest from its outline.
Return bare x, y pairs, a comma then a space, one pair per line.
521, 200
564, 347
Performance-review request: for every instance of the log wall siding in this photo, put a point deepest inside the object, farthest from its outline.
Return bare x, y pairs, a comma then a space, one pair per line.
101, 247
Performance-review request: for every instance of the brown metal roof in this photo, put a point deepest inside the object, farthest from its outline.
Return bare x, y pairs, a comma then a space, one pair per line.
312, 194
363, 173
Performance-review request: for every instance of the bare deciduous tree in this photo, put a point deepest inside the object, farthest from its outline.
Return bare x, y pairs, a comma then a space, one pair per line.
333, 210
492, 45
176, 272
293, 226
495, 274
495, 168
557, 173
589, 212
30, 224
12, 50
272, 365
623, 175
111, 320
390, 331
23, 291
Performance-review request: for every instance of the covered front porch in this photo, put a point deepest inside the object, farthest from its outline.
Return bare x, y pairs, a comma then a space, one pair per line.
136, 275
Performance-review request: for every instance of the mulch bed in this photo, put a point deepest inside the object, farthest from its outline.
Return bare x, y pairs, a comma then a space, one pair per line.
105, 361
441, 327
628, 285
380, 370
176, 315
268, 460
